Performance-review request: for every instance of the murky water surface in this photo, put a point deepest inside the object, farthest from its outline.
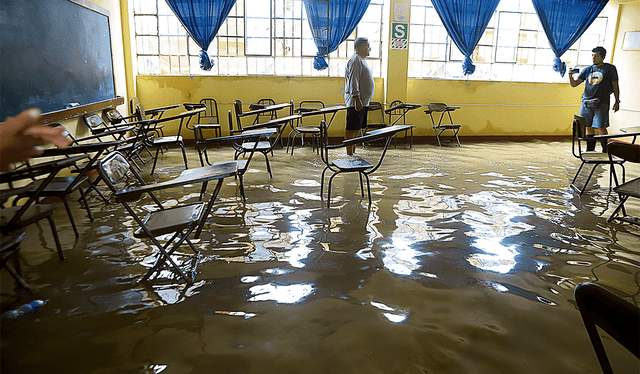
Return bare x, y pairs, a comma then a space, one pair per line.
466, 262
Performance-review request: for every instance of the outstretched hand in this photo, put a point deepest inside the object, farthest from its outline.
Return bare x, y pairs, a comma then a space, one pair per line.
21, 138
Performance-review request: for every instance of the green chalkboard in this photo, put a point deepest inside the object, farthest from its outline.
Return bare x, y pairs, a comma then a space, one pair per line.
53, 53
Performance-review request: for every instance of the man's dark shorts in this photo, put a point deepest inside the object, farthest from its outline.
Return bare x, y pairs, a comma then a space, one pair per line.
356, 120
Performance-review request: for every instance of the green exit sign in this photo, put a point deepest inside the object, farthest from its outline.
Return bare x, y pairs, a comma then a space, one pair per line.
399, 30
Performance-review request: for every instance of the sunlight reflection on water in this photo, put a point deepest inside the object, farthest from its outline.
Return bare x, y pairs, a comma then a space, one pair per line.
464, 252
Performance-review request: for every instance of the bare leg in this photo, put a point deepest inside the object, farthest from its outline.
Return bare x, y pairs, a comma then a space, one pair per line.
591, 143
603, 142
350, 134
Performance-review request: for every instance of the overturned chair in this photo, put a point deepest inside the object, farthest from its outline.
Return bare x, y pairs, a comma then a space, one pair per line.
354, 165
177, 222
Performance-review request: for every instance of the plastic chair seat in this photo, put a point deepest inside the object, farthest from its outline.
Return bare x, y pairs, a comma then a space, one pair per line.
171, 220
352, 164
33, 214
167, 140
261, 147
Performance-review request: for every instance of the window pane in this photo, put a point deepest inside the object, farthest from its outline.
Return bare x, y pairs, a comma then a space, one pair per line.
526, 56
149, 64
147, 45
146, 25
144, 7
505, 54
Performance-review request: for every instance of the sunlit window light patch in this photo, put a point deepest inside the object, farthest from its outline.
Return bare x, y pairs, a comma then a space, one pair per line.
277, 271
155, 369
497, 257
428, 275
286, 294
395, 317
249, 279
400, 258
245, 315
297, 255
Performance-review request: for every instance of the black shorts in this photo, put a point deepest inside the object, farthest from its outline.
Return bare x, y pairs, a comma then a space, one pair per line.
356, 120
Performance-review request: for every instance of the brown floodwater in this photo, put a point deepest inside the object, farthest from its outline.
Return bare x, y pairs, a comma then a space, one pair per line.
465, 262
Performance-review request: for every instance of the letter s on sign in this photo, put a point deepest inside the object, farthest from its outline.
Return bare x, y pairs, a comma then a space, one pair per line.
399, 31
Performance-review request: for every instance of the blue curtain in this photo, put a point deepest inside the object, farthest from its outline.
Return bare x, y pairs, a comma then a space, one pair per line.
331, 22
564, 21
465, 21
202, 19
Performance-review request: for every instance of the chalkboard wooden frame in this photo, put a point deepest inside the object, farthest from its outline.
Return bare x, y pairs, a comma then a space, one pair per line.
55, 56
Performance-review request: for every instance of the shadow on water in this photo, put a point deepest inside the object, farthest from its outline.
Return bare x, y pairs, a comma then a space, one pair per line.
465, 262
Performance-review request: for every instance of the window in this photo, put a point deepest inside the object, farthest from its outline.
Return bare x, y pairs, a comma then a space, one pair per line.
514, 46
259, 37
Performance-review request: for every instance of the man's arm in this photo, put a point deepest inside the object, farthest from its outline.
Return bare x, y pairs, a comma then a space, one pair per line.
616, 94
574, 82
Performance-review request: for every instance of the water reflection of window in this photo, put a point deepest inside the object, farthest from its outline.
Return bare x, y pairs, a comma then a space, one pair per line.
497, 221
286, 294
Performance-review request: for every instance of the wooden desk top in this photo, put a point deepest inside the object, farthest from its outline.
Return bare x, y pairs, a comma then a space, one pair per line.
327, 110
79, 149
445, 109
244, 135
189, 176
188, 113
403, 106
155, 111
266, 109
276, 122
384, 132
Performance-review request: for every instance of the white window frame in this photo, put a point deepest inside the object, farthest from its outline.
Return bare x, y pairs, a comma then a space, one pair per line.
164, 48
532, 58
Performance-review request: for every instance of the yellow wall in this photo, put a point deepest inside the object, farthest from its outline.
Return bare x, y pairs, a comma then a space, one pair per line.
628, 65
489, 109
156, 91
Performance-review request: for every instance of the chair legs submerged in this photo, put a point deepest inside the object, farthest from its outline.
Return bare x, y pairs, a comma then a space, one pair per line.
176, 223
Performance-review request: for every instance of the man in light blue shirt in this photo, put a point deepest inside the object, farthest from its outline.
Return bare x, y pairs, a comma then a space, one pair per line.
358, 90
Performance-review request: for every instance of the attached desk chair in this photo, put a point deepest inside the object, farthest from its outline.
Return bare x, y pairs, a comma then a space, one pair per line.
265, 146
180, 221
237, 139
305, 106
350, 165
264, 116
630, 153
156, 113
399, 110
258, 111
324, 112
62, 187
579, 139
147, 126
443, 109
378, 108
16, 218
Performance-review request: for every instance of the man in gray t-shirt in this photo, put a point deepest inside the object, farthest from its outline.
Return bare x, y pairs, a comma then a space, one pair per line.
601, 79
358, 90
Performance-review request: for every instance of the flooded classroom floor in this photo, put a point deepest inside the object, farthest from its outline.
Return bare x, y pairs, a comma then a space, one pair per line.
465, 262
